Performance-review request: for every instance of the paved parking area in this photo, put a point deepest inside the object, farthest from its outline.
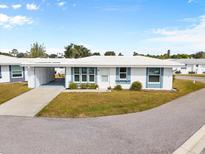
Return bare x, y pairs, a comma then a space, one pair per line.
157, 131
29, 103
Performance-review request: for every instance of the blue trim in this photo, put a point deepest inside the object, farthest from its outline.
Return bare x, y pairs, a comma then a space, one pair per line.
17, 79
147, 77
117, 73
128, 73
72, 74
161, 77
153, 85
0, 73
96, 75
123, 81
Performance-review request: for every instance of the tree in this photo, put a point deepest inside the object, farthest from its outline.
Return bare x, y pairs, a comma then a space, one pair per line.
14, 52
96, 54
76, 51
135, 54
120, 54
52, 56
37, 50
21, 55
109, 53
200, 54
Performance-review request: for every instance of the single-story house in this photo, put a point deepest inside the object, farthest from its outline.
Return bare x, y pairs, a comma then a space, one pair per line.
196, 66
105, 71
11, 70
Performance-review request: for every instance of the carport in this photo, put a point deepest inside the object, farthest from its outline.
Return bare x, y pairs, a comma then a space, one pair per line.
41, 72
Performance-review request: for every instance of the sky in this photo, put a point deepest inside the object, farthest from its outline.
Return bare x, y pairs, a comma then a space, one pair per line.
143, 26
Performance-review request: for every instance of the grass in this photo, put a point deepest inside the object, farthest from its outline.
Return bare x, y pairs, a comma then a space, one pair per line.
116, 102
194, 75
11, 90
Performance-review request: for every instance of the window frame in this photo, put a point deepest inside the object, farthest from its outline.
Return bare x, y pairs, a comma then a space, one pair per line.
12, 72
153, 74
87, 74
93, 74
126, 73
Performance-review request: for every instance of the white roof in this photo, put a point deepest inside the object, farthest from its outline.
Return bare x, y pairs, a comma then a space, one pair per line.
6, 60
120, 61
190, 61
92, 61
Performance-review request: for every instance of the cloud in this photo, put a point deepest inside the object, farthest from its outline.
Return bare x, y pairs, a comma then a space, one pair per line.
190, 1
32, 7
3, 6
16, 6
61, 3
193, 36
12, 21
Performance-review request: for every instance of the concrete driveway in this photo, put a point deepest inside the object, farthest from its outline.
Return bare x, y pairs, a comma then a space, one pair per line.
31, 102
157, 131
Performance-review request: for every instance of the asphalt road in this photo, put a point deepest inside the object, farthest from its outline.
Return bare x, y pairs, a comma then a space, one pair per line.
157, 131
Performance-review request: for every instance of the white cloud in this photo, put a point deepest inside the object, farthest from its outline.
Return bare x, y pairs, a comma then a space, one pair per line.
32, 7
12, 21
192, 37
190, 1
61, 3
16, 6
3, 6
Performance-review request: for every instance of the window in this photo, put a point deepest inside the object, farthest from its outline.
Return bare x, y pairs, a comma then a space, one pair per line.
123, 73
77, 74
84, 74
91, 75
16, 71
154, 75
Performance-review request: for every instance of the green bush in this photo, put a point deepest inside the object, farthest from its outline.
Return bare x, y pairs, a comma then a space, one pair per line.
92, 86
136, 86
191, 72
118, 87
88, 86
83, 86
73, 85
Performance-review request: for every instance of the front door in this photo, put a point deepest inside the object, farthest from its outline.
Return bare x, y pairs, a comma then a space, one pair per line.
104, 78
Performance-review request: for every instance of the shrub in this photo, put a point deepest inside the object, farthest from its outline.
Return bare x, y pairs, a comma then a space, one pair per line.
178, 72
191, 72
88, 86
73, 86
109, 88
136, 86
92, 86
83, 86
118, 87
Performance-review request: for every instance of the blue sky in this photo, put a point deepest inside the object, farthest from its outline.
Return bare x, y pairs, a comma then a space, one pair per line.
143, 26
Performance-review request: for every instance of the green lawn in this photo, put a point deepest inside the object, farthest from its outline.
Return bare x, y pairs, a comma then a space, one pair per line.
11, 90
194, 75
116, 102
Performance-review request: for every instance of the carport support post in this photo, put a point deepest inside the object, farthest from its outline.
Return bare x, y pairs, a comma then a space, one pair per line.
67, 76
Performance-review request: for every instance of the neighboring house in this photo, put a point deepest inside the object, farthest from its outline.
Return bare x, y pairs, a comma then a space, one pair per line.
11, 71
191, 66
105, 71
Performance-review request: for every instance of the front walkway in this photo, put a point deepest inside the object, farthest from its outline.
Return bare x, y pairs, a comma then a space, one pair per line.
30, 103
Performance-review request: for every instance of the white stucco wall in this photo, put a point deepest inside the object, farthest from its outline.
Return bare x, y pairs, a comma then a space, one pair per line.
39, 76
137, 74
191, 68
67, 77
167, 79
5, 74
26, 73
